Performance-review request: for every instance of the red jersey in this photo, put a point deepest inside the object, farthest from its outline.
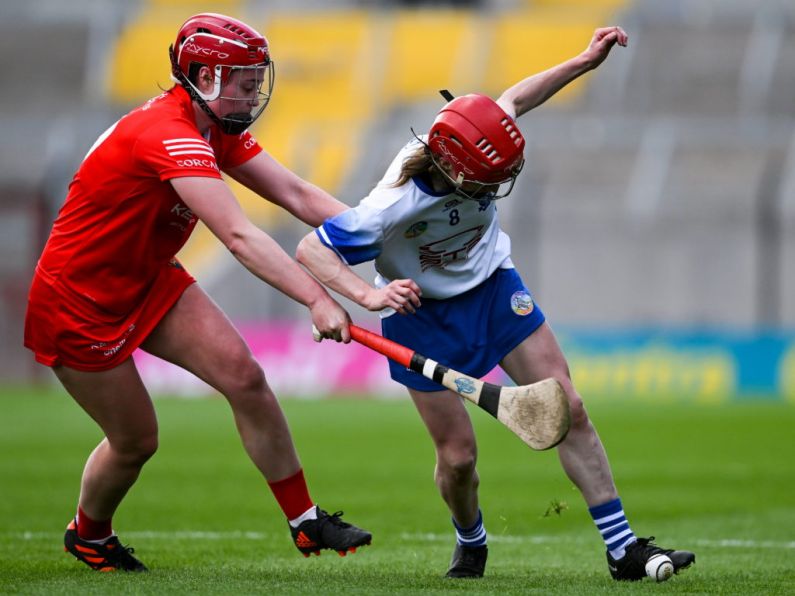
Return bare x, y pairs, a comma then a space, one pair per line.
122, 220
108, 274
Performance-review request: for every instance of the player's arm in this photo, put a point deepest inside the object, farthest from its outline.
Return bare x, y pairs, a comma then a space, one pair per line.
535, 90
213, 202
401, 294
271, 180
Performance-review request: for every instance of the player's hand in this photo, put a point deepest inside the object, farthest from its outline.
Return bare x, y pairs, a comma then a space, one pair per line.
330, 320
402, 294
602, 42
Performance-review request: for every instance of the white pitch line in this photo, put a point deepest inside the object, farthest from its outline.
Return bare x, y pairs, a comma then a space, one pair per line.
406, 537
153, 535
738, 543
542, 539
496, 538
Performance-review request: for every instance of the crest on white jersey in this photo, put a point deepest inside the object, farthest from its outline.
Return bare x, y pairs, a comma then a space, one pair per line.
441, 253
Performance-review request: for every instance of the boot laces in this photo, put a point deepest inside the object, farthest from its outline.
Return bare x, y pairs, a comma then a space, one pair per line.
335, 519
121, 554
648, 547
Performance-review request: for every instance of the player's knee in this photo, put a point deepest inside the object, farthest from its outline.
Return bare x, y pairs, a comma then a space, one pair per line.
138, 450
463, 471
245, 377
457, 464
579, 417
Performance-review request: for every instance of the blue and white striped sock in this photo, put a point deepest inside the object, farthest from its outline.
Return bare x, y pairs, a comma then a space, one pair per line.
612, 523
474, 536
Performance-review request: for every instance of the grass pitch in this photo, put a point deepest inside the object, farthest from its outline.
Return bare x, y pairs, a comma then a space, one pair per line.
717, 480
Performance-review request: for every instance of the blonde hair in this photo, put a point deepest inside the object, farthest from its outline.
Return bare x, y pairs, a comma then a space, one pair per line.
418, 162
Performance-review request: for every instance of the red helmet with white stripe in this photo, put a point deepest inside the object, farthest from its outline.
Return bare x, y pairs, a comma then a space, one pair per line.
228, 48
479, 144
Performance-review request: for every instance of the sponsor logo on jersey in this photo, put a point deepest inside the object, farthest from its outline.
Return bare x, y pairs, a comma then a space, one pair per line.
451, 203
198, 149
181, 210
522, 303
441, 253
415, 229
185, 215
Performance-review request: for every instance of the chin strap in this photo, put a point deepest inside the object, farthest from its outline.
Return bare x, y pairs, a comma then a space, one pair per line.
230, 127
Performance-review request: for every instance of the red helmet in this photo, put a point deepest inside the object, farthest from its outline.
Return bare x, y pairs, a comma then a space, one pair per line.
479, 142
224, 45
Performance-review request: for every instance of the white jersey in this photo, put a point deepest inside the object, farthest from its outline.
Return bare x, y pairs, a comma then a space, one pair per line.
445, 243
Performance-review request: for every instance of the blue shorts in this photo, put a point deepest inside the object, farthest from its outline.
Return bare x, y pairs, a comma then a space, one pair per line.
470, 333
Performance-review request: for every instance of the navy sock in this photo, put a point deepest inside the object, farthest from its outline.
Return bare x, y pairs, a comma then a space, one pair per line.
613, 525
473, 536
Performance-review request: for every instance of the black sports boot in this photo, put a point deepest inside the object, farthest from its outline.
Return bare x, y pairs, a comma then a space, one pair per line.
632, 566
112, 555
328, 531
468, 561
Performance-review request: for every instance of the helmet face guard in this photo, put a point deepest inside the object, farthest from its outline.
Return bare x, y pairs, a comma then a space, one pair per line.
242, 93
239, 62
477, 147
476, 190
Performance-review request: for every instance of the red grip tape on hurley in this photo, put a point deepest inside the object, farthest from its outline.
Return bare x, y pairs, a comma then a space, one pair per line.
400, 354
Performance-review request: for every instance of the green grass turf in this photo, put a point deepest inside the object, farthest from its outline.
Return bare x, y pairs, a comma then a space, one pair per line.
715, 479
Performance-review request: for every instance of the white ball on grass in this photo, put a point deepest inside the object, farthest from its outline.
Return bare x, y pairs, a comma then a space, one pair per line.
659, 567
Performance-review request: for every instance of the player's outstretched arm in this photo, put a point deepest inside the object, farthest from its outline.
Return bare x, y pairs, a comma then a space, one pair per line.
401, 294
276, 183
535, 90
213, 202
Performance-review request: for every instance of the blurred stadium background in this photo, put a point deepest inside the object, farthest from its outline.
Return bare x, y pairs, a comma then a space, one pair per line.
654, 220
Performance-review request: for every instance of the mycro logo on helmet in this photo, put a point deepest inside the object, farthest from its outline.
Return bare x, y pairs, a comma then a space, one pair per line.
454, 159
195, 49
